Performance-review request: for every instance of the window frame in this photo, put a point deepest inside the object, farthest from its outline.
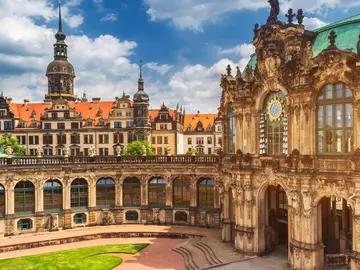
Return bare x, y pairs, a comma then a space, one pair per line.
51, 190
108, 187
332, 102
77, 188
132, 187
157, 188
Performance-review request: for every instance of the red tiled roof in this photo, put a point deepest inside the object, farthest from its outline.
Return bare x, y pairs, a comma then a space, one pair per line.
154, 113
193, 119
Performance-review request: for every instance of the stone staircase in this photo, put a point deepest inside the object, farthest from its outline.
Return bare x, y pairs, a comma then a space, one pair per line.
207, 252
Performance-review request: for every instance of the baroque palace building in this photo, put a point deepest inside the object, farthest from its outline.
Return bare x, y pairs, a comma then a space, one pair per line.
291, 169
75, 173
67, 125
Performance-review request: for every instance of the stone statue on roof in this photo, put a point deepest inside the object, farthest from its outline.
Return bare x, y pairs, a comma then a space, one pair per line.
66, 151
8, 150
275, 10
144, 152
38, 151
92, 151
118, 150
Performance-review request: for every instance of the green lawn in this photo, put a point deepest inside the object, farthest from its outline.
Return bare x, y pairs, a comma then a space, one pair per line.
81, 258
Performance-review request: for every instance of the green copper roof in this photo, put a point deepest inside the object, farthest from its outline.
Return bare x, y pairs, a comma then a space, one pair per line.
347, 31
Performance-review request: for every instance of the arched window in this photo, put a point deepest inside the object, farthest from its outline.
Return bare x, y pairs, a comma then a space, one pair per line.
274, 125
79, 193
206, 192
181, 193
24, 197
105, 192
131, 192
231, 130
53, 200
335, 120
2, 201
157, 193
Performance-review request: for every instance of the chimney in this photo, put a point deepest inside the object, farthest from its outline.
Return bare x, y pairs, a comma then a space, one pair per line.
96, 100
26, 102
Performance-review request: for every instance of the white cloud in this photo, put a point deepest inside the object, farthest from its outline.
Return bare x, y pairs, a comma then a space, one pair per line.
162, 69
193, 14
313, 23
98, 4
112, 17
197, 86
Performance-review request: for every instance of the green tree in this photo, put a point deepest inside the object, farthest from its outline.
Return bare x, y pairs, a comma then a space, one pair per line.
7, 140
136, 149
190, 152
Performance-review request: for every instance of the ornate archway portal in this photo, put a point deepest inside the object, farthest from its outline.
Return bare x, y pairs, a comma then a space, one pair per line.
274, 217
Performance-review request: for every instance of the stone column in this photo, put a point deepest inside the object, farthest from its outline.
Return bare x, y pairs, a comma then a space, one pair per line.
10, 200
39, 223
92, 202
355, 257
119, 193
118, 213
169, 200
193, 201
10, 209
39, 197
67, 204
226, 226
145, 213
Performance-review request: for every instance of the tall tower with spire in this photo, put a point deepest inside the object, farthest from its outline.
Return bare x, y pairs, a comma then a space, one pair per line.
141, 111
60, 72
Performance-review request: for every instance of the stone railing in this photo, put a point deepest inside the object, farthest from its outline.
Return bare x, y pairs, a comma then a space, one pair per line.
292, 164
59, 160
337, 260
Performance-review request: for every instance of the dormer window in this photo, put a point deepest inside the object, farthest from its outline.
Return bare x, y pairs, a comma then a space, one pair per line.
199, 127
190, 127
163, 117
102, 123
209, 128
22, 124
89, 123
33, 123
2, 112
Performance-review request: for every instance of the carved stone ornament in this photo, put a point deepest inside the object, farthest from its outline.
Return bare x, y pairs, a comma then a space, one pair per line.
38, 152
66, 151
118, 151
92, 151
8, 150
334, 189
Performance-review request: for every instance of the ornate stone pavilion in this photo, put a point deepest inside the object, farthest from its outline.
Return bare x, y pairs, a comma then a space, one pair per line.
40, 194
291, 170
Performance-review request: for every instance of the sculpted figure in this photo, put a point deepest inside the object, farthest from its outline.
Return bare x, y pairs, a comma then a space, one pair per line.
308, 55
144, 152
92, 151
38, 151
8, 150
275, 10
66, 151
118, 151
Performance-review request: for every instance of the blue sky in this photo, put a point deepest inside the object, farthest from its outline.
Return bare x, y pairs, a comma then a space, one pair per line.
185, 44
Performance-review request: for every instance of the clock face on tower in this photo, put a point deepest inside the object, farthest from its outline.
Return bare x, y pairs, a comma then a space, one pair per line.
275, 109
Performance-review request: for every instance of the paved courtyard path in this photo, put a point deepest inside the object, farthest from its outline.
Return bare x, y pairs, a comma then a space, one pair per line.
28, 238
